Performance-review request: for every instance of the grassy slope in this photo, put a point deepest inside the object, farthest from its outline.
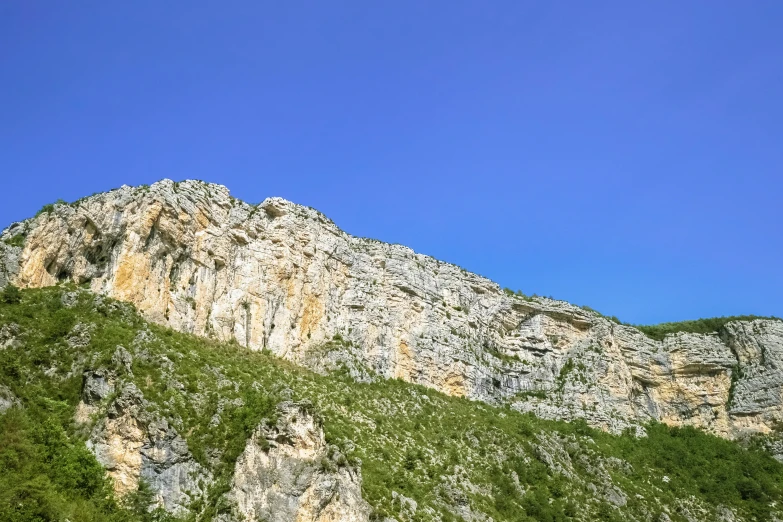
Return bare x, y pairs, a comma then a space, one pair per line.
448, 454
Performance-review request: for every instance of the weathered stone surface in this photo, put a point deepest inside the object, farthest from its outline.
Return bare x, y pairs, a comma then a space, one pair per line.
9, 253
282, 277
7, 399
287, 473
97, 385
10, 336
133, 444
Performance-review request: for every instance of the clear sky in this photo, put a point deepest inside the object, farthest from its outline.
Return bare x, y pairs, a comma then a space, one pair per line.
624, 155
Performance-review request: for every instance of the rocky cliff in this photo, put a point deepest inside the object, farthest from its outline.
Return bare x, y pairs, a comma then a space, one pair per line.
133, 444
282, 277
288, 472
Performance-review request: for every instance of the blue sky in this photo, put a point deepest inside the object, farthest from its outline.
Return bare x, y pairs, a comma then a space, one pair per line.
624, 155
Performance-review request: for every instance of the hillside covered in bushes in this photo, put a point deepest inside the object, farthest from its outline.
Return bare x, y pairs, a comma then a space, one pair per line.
422, 455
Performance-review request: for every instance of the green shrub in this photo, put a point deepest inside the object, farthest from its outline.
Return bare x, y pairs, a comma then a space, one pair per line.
49, 475
11, 295
15, 241
49, 208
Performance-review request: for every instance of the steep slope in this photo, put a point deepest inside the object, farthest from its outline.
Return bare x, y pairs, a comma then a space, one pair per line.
281, 277
214, 431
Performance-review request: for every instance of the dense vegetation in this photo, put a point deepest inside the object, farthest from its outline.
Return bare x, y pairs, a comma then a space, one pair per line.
47, 473
450, 455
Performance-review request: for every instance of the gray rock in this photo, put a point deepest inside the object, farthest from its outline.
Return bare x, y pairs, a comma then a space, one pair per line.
169, 468
9, 336
134, 444
96, 386
69, 299
7, 399
772, 442
288, 473
407, 506
9, 255
79, 336
122, 360
725, 514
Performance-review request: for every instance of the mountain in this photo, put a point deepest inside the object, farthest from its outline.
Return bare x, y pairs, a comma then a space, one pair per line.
421, 377
282, 277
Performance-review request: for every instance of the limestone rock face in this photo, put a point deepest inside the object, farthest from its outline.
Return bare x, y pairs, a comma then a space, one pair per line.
133, 445
282, 277
10, 252
287, 473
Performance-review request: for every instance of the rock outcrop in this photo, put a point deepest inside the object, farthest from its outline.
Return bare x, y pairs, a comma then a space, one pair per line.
287, 473
133, 444
9, 337
7, 398
282, 277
